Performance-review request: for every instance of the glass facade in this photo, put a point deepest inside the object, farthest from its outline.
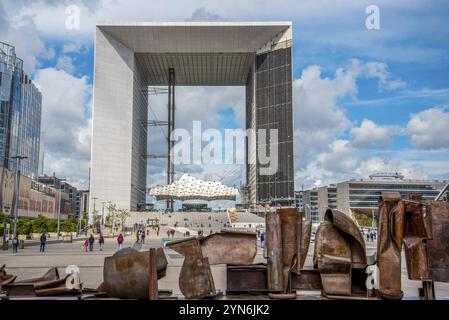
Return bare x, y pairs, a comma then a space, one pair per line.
366, 195
20, 114
274, 111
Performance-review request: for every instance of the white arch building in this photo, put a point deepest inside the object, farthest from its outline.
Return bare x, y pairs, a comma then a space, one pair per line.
129, 57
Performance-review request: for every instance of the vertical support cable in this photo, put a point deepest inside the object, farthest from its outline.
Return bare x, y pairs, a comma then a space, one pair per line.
171, 128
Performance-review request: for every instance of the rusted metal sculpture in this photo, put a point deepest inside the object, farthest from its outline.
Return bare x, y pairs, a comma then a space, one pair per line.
126, 273
339, 249
304, 231
274, 252
50, 284
4, 277
437, 245
389, 244
226, 247
287, 244
229, 247
195, 279
416, 234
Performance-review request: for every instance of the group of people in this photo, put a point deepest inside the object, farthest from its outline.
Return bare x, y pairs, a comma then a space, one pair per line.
370, 234
89, 243
171, 232
140, 236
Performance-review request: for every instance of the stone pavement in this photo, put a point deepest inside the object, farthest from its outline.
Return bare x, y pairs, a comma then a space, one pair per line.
29, 263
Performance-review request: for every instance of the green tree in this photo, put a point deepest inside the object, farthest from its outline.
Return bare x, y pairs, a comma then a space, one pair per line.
40, 224
52, 225
68, 225
122, 215
4, 219
111, 214
24, 226
362, 219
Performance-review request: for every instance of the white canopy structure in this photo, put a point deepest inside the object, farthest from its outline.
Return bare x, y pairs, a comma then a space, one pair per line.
190, 188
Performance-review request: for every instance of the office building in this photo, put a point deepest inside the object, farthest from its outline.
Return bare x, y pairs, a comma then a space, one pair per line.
20, 115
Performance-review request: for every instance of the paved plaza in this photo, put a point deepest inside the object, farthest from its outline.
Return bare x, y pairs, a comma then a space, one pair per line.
28, 263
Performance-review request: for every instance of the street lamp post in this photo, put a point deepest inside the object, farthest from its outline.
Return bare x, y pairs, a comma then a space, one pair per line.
94, 214
59, 205
59, 214
16, 211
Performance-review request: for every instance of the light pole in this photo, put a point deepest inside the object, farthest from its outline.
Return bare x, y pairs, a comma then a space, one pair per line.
102, 217
16, 211
94, 213
59, 205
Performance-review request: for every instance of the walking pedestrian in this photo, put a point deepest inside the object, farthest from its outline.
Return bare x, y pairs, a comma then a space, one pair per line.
142, 237
137, 236
15, 243
262, 239
91, 242
120, 240
86, 245
43, 241
101, 242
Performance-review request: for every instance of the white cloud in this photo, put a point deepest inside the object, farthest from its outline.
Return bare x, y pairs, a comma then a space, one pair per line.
318, 119
66, 120
71, 47
428, 129
65, 63
372, 136
340, 157
380, 71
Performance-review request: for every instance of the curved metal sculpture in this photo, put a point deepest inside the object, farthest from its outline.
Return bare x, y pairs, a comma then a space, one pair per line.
339, 248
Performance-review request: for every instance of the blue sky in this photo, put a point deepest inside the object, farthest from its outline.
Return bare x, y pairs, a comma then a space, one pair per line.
364, 100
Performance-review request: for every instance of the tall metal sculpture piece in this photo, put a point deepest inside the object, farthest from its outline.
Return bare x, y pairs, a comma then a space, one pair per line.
287, 243
389, 244
437, 245
417, 231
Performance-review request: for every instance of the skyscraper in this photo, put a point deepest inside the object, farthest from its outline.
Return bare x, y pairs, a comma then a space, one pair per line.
20, 114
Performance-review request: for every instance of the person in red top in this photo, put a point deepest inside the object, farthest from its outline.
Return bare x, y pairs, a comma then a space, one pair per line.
85, 245
101, 242
120, 241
